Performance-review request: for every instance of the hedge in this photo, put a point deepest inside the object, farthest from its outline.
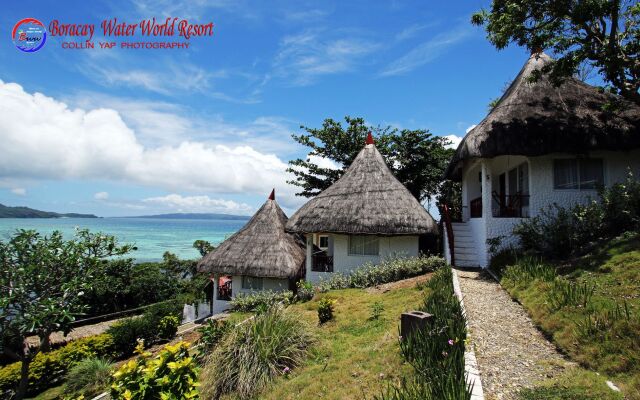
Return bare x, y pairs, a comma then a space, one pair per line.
48, 369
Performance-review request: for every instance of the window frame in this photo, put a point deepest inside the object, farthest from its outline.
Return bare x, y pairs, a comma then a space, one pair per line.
320, 237
248, 283
579, 184
363, 238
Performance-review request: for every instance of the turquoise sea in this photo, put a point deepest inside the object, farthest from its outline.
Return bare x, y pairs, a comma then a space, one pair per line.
152, 236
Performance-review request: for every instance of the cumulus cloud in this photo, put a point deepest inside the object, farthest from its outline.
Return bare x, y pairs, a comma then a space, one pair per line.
323, 162
200, 204
19, 191
101, 196
44, 139
470, 128
455, 141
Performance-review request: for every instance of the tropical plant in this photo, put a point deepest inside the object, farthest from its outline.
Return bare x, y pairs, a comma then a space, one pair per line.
416, 157
210, 335
203, 247
377, 308
167, 327
89, 377
305, 291
325, 309
42, 282
244, 362
171, 375
603, 34
260, 300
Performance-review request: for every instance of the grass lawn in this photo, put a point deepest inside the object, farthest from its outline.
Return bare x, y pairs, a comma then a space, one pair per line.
603, 336
355, 356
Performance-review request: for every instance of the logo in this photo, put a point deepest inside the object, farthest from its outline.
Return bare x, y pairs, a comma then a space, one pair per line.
29, 35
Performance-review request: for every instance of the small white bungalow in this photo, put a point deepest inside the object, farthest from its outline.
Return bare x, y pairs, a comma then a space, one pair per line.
540, 145
260, 256
365, 216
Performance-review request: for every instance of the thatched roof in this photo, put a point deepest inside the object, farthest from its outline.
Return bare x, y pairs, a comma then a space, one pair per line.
534, 119
367, 199
261, 248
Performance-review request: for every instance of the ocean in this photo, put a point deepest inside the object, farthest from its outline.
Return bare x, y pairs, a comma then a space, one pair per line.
151, 236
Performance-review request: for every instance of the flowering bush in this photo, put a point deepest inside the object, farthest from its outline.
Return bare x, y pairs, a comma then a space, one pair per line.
171, 375
325, 310
167, 327
390, 270
305, 291
260, 300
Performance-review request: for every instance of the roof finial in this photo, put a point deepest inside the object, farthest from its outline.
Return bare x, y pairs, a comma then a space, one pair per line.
272, 196
369, 138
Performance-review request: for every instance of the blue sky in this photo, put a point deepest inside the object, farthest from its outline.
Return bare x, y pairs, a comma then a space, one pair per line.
207, 129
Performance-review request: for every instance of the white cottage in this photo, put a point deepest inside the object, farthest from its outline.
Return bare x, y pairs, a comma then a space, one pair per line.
365, 216
540, 145
260, 256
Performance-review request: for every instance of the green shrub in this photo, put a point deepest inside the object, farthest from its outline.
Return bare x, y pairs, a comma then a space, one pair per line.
390, 270
263, 299
376, 310
305, 291
244, 362
564, 293
89, 377
146, 327
167, 327
210, 336
325, 310
171, 375
529, 269
48, 369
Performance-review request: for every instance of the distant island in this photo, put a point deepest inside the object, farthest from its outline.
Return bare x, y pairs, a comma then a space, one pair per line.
26, 212
229, 217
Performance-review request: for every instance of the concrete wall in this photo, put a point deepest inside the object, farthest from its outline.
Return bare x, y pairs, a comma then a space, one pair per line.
389, 247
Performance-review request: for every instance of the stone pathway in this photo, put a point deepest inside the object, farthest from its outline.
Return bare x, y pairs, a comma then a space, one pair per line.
511, 353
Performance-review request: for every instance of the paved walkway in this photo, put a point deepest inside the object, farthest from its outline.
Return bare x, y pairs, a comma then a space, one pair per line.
512, 354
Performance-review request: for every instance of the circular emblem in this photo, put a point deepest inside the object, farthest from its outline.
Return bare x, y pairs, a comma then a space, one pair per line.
29, 35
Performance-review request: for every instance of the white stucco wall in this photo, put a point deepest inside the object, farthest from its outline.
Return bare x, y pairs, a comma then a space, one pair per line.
541, 190
389, 247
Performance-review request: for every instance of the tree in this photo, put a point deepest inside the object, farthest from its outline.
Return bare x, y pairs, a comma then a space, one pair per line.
42, 282
416, 157
603, 34
203, 247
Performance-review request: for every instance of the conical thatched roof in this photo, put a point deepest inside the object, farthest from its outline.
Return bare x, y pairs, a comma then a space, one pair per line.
538, 118
261, 248
367, 199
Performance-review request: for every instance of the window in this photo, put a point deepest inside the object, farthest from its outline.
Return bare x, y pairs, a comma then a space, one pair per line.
323, 242
251, 282
583, 174
363, 245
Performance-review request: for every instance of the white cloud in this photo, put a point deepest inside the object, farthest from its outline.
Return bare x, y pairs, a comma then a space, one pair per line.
455, 141
426, 52
44, 139
200, 204
19, 191
101, 196
304, 57
470, 128
323, 162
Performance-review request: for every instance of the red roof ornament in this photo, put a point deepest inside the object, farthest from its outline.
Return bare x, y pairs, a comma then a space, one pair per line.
369, 138
272, 196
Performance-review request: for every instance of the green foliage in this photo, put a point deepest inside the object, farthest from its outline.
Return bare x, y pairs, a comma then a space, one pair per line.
377, 308
244, 362
389, 270
600, 33
171, 375
559, 232
565, 293
261, 299
203, 247
42, 282
528, 269
305, 291
89, 377
416, 157
325, 310
436, 352
167, 327
147, 327
210, 336
48, 369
